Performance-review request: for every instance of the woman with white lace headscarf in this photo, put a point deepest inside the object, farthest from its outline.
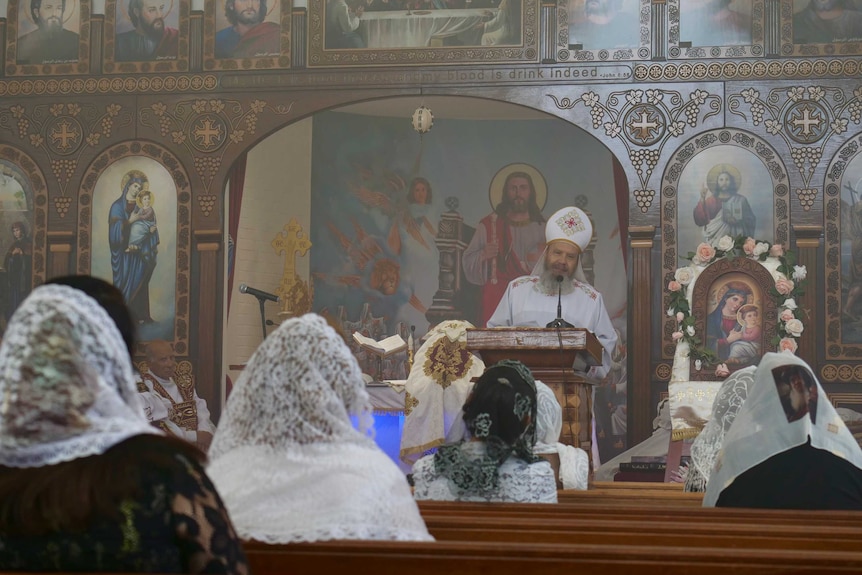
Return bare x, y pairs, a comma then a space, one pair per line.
725, 407
574, 463
787, 448
286, 457
86, 484
497, 462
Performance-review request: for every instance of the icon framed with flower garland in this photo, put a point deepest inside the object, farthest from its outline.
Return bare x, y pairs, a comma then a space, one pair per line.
732, 303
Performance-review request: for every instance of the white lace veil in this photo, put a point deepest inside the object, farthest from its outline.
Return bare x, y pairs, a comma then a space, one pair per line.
574, 462
299, 387
725, 407
764, 428
66, 381
286, 459
549, 419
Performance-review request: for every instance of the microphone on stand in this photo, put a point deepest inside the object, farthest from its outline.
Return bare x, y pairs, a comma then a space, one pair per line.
559, 322
260, 294
262, 298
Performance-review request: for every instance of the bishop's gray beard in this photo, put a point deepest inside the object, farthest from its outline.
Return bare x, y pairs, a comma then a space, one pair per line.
548, 283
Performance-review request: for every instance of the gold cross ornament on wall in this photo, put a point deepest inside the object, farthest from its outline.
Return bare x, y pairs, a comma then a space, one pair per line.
295, 295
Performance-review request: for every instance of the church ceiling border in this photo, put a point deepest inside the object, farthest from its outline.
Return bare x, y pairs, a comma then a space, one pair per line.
748, 70
841, 222
562, 74
163, 156
670, 180
39, 186
106, 86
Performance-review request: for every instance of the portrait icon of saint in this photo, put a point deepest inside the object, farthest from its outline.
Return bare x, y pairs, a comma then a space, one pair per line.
714, 23
133, 239
250, 34
733, 326
722, 210
51, 42
797, 392
151, 38
827, 21
509, 241
603, 24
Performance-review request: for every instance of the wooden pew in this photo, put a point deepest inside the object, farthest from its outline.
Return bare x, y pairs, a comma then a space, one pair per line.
583, 534
631, 512
606, 497
507, 558
649, 533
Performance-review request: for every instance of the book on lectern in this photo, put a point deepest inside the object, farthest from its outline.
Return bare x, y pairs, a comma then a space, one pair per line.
384, 347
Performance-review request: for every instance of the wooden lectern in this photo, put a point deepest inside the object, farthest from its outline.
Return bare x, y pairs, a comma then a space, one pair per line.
550, 354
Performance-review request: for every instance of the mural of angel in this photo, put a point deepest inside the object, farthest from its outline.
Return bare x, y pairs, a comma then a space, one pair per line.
407, 212
388, 251
372, 271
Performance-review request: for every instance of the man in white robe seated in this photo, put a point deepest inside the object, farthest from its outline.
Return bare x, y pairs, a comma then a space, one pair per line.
531, 301
177, 409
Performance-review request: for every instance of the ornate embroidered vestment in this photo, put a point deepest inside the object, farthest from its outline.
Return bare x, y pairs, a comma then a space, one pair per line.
185, 413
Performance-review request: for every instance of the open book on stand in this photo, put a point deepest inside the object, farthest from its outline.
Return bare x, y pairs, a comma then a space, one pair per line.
382, 348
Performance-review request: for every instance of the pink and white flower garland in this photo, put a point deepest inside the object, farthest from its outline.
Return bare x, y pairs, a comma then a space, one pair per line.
788, 276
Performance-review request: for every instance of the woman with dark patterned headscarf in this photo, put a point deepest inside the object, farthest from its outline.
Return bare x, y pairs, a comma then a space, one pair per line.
497, 462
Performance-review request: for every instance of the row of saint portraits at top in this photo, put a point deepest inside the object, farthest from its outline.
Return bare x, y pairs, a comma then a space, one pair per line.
613, 24
48, 31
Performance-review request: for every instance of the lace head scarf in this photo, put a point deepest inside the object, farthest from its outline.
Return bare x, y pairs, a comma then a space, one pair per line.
66, 381
549, 419
725, 407
574, 466
785, 408
501, 401
299, 388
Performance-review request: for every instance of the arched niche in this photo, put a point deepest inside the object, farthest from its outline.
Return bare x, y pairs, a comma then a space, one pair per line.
151, 266
23, 205
757, 176
842, 216
350, 198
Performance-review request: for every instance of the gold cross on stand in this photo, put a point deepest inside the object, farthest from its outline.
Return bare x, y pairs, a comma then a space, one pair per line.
294, 294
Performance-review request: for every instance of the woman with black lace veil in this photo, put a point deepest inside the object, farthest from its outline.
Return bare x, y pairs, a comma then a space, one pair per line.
496, 462
286, 457
787, 448
86, 484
